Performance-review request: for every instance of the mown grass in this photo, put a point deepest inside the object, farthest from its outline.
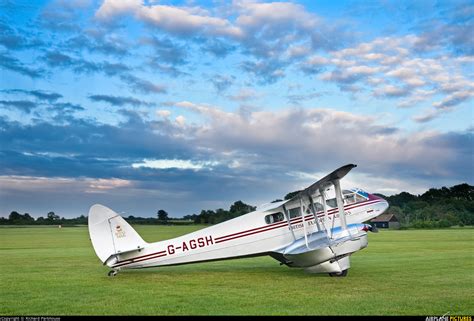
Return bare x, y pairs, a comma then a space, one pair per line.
51, 271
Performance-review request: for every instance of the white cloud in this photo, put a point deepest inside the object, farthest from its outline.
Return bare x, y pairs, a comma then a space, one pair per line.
180, 120
163, 113
299, 138
391, 67
101, 185
55, 184
178, 20
175, 163
245, 94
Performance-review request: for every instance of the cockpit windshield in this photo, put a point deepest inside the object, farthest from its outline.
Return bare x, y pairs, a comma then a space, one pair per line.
351, 196
354, 195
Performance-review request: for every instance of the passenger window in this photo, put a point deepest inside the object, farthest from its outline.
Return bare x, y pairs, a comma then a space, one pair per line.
331, 202
294, 212
273, 218
317, 206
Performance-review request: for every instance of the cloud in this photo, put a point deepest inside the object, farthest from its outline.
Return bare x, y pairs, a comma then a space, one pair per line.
103, 185
392, 91
259, 141
99, 41
266, 71
163, 113
22, 105
175, 20
228, 154
56, 59
266, 31
167, 51
65, 107
348, 137
245, 94
13, 39
180, 120
174, 163
119, 100
427, 115
296, 99
454, 99
13, 64
219, 48
78, 65
450, 29
39, 94
143, 86
222, 82
393, 68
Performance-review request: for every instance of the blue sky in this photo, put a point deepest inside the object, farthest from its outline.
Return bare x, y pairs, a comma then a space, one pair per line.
188, 105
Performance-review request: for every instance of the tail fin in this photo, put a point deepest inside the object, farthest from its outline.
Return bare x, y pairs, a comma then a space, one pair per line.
111, 234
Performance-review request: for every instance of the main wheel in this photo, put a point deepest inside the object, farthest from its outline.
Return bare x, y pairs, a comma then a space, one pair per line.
339, 274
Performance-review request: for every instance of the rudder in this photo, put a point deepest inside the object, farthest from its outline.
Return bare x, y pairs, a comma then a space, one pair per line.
110, 234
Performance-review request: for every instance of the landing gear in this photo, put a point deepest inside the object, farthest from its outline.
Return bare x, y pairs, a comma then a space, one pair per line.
339, 274
112, 273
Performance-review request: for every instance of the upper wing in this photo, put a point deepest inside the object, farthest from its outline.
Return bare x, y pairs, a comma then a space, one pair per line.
325, 182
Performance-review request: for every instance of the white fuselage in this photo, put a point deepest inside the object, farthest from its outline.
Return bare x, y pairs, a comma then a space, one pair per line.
247, 235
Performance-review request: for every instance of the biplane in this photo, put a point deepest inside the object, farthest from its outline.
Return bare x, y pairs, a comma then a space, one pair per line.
318, 230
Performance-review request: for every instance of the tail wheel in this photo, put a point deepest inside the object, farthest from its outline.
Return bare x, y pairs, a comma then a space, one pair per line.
339, 274
112, 273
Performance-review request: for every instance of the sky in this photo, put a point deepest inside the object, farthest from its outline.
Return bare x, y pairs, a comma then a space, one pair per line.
190, 105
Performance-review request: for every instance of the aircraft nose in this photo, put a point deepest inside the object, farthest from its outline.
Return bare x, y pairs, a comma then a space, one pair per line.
383, 206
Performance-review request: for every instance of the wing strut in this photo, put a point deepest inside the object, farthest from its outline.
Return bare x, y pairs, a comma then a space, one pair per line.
325, 209
304, 224
340, 204
316, 219
288, 219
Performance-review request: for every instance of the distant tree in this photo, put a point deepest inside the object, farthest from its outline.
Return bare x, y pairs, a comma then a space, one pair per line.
15, 216
240, 208
291, 195
397, 211
27, 217
162, 216
462, 191
51, 216
190, 217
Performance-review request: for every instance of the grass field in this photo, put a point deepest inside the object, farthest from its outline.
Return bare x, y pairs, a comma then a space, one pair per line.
51, 271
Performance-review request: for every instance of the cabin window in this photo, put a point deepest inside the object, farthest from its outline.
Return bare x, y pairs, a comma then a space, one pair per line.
294, 212
317, 206
331, 202
275, 217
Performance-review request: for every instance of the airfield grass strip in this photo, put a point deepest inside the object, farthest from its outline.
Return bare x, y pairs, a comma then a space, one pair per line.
51, 271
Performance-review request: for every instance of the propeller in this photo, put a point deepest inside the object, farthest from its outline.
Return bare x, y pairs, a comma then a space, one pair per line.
370, 228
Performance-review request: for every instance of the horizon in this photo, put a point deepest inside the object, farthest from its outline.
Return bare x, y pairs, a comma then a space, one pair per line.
189, 105
125, 215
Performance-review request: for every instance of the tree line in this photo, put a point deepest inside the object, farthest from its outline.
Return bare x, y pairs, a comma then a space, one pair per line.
436, 208
162, 218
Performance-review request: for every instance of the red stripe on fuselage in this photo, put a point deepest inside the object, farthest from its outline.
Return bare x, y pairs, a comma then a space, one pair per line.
294, 220
253, 231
